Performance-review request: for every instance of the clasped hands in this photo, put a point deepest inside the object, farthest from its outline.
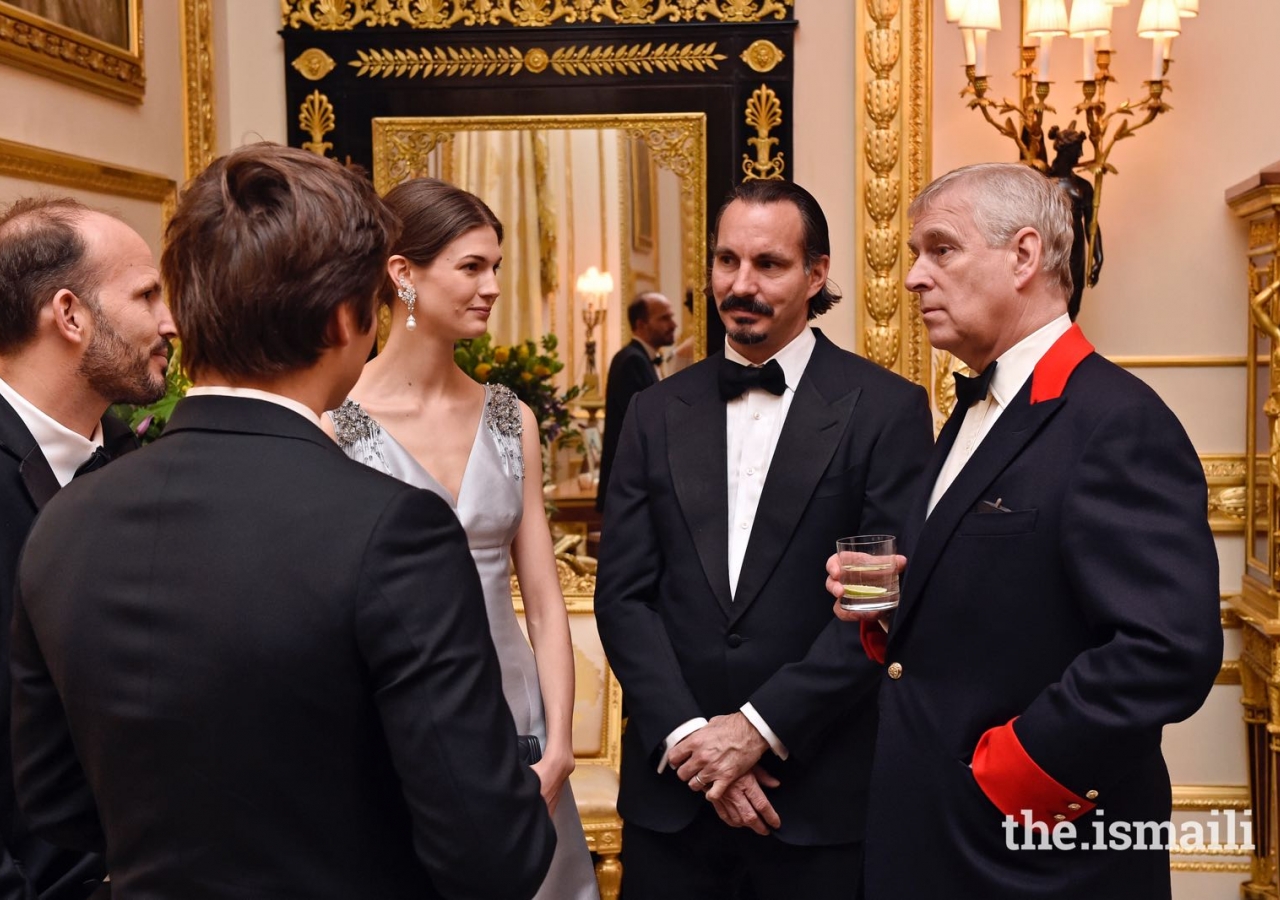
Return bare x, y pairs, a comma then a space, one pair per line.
721, 759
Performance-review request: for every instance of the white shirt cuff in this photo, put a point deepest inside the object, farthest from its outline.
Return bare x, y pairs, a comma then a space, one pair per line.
676, 737
779, 749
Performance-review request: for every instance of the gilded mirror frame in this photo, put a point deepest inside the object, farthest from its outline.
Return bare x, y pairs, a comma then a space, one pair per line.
402, 146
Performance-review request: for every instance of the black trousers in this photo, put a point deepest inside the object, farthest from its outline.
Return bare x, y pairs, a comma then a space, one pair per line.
711, 861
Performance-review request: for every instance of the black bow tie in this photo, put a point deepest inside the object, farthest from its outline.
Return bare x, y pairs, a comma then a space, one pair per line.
736, 380
969, 390
657, 359
99, 459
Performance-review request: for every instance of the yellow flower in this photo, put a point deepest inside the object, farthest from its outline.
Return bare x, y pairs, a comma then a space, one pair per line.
541, 371
523, 353
526, 377
501, 355
482, 371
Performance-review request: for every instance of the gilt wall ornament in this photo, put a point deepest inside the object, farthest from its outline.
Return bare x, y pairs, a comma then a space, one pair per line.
764, 113
314, 64
344, 15
762, 56
316, 117
634, 59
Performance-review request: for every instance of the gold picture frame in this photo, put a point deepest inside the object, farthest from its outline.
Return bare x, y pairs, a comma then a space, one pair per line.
644, 189
97, 46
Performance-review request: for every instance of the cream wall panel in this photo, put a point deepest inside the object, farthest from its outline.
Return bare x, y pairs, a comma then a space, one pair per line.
1208, 401
1209, 748
56, 116
823, 121
142, 215
249, 73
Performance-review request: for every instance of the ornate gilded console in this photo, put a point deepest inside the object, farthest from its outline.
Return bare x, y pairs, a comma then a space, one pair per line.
1258, 202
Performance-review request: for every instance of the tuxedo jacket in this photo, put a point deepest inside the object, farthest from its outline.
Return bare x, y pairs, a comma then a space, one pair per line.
247, 666
30, 866
848, 461
630, 372
1086, 615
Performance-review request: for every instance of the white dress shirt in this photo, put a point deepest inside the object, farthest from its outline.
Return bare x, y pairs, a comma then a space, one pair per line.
64, 449
223, 390
1015, 366
753, 423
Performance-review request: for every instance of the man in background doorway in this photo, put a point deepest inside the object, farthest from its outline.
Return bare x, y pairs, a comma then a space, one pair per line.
82, 325
634, 368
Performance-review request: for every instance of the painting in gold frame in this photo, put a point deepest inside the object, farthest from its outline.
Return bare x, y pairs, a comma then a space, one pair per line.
94, 44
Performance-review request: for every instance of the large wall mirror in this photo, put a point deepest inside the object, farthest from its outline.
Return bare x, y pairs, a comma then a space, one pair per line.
622, 194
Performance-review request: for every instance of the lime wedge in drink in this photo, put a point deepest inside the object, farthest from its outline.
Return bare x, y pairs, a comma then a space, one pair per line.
863, 590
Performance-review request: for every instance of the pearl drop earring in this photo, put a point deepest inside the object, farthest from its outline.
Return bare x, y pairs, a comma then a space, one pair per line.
409, 296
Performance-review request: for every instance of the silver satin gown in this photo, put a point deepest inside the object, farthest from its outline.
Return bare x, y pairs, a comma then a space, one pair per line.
490, 504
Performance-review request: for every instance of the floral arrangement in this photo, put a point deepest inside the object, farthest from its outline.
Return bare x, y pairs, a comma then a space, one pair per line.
527, 368
148, 421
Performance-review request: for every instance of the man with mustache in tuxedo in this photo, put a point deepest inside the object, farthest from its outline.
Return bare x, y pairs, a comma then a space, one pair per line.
732, 478
82, 325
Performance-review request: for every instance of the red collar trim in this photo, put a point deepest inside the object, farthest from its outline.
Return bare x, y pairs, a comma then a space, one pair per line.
1055, 367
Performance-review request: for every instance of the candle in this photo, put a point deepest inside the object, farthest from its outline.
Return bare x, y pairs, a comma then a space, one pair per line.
1157, 59
969, 52
1042, 58
1090, 59
980, 54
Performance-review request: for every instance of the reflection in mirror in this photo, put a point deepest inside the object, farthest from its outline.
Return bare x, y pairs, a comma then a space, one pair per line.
622, 193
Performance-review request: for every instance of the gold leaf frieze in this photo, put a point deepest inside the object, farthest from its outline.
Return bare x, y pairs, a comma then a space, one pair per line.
344, 15
313, 64
633, 59
763, 113
316, 117
1228, 492
763, 56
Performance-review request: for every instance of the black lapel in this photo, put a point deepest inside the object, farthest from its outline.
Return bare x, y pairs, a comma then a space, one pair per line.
37, 477
697, 455
1018, 425
942, 446
813, 428
651, 374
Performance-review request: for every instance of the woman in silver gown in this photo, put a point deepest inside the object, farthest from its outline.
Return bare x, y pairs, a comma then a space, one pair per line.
415, 415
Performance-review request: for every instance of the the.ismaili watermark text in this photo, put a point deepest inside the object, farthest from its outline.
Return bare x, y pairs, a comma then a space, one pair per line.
1226, 831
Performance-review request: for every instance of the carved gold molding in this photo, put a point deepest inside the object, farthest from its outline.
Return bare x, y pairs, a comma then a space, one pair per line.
762, 56
633, 59
1211, 796
30, 163
313, 64
328, 15
40, 45
1226, 474
1179, 362
763, 113
891, 162
317, 119
197, 85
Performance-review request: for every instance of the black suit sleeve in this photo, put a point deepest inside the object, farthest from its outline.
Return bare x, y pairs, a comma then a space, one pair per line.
802, 699
632, 630
1141, 561
423, 631
52, 790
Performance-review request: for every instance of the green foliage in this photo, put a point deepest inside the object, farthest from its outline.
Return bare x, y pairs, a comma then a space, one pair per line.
148, 421
527, 368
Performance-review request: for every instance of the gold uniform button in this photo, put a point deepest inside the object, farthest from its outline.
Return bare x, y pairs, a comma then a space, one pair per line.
1073, 806
1059, 817
1091, 795
895, 671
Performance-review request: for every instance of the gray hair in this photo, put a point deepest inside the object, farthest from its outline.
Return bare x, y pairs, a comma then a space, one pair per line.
1005, 198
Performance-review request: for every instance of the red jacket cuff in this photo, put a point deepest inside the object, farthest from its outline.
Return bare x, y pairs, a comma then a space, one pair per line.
1015, 784
874, 640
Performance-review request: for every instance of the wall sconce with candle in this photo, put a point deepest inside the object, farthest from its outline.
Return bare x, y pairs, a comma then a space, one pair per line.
595, 288
1090, 21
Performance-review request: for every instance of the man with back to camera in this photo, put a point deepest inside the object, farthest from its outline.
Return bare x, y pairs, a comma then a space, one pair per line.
634, 368
1060, 602
82, 325
732, 477
268, 671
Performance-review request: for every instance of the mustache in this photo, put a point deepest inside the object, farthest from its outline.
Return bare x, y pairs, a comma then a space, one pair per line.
163, 345
734, 303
